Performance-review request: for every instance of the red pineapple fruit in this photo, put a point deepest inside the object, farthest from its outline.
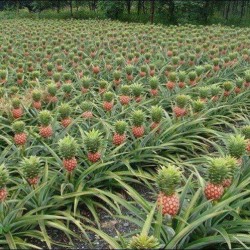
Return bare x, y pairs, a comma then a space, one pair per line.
239, 83
20, 136
154, 82
182, 76
68, 150
119, 135
125, 95
45, 119
181, 103
247, 79
217, 172
4, 179
167, 180
17, 110
108, 102
246, 132
36, 97
31, 168
171, 82
92, 142
86, 107
156, 115
64, 113
138, 118
144, 71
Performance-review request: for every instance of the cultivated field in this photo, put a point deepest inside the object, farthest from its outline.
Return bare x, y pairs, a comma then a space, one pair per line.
147, 123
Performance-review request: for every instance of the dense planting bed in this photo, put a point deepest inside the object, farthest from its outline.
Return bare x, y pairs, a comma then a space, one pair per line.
91, 111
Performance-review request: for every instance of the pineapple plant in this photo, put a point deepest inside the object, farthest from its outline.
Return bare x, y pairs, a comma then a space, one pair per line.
228, 86
45, 119
117, 77
108, 101
171, 80
67, 77
238, 85
138, 118
197, 106
192, 76
152, 70
52, 90
154, 82
217, 172
103, 86
119, 136
129, 72
68, 150
182, 76
168, 178
3, 76
246, 133
143, 241
92, 142
144, 71
67, 89
64, 111
247, 79
86, 107
156, 116
85, 84
20, 137
180, 109
31, 168
216, 62
4, 179
125, 95
49, 69
17, 110
215, 90
20, 78
36, 97
232, 166
96, 68
137, 90
204, 93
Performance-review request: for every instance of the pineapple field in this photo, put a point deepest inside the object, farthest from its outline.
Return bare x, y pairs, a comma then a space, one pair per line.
148, 124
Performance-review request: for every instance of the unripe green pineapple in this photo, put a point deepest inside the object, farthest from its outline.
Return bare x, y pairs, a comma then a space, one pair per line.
138, 118
16, 103
198, 106
218, 170
182, 100
4, 176
31, 167
125, 90
64, 110
18, 127
137, 89
36, 95
120, 127
93, 140
156, 113
68, 147
236, 146
154, 81
143, 242
45, 117
246, 131
108, 96
52, 89
228, 86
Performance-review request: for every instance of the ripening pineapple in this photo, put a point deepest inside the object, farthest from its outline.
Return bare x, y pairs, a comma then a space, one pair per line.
138, 118
117, 77
192, 78
180, 108
108, 102
125, 95
154, 82
232, 166
204, 93
92, 142
45, 119
198, 106
85, 84
119, 135
171, 80
217, 172
64, 111
239, 83
17, 110
52, 91
246, 132
182, 76
4, 179
236, 146
156, 116
144, 71
31, 168
103, 86
20, 136
137, 90
143, 242
68, 150
228, 86
37, 96
215, 90
86, 107
167, 180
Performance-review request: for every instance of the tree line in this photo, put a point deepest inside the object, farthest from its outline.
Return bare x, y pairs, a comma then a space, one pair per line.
172, 10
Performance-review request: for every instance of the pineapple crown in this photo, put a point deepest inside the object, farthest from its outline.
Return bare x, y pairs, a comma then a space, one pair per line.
66, 76
18, 127
36, 95
204, 92
108, 96
144, 68
125, 90
120, 127
68, 147
19, 76
86, 106
175, 60
182, 100
192, 75
172, 76
215, 90
154, 81
247, 76
218, 170
67, 88
143, 242
137, 89
64, 110
56, 77
239, 82
3, 74
168, 178
86, 81
138, 118
31, 167
182, 76
232, 165
52, 89
35, 74
199, 70
117, 74
103, 84
49, 66
129, 69
16, 103
14, 90
236, 146
93, 140
198, 105
216, 61
45, 117
4, 176
227, 86
156, 113
246, 131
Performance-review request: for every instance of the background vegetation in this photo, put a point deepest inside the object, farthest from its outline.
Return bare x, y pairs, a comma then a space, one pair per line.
154, 11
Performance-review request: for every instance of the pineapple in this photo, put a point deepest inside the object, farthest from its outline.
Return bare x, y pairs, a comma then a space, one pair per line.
31, 168
197, 106
182, 76
87, 109
102, 86
232, 165
68, 150
67, 89
228, 86
117, 77
218, 171
4, 178
20, 136
246, 132
137, 90
108, 101
215, 90
45, 119
85, 84
239, 83
52, 90
119, 136
154, 82
167, 180
204, 93
36, 97
129, 72
156, 115
144, 71
192, 78
172, 79
143, 242
181, 103
64, 111
125, 95
138, 118
17, 110
92, 142
67, 78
